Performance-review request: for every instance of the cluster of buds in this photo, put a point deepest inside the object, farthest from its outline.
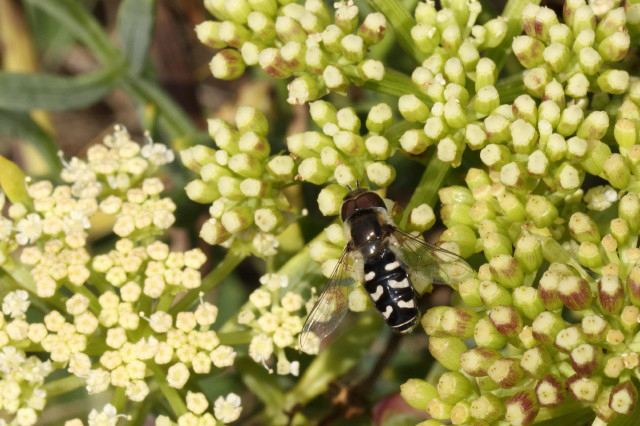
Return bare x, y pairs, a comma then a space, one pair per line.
454, 67
274, 316
340, 155
545, 331
325, 53
21, 376
243, 182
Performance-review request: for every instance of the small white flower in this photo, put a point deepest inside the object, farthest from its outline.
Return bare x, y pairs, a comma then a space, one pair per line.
261, 348
260, 298
29, 229
157, 153
16, 303
107, 417
600, 198
274, 281
10, 359
97, 381
228, 409
265, 244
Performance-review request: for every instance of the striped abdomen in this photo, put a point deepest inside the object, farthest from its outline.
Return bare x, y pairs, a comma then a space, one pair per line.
391, 292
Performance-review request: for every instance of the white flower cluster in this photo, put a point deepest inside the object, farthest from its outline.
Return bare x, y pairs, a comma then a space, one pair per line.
225, 410
22, 396
275, 317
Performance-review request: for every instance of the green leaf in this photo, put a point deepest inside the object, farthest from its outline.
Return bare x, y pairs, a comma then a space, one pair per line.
341, 356
262, 384
578, 417
75, 18
24, 92
12, 181
135, 28
20, 125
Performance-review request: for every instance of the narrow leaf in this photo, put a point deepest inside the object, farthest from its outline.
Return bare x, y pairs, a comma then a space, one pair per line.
74, 17
12, 181
135, 28
24, 92
20, 125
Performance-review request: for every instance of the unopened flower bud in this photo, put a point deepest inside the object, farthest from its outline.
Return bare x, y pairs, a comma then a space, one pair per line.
550, 391
417, 393
615, 47
447, 351
330, 199
521, 408
373, 28
528, 50
583, 388
506, 320
536, 79
476, 362
227, 64
624, 397
536, 361
546, 326
586, 359
594, 328
574, 293
569, 338
487, 407
453, 386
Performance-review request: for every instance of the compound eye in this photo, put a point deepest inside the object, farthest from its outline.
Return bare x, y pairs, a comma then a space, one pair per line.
348, 208
370, 199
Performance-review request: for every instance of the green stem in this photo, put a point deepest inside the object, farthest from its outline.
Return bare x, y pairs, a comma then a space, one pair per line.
513, 16
228, 264
173, 396
394, 83
164, 303
510, 88
23, 278
401, 21
63, 385
119, 399
427, 190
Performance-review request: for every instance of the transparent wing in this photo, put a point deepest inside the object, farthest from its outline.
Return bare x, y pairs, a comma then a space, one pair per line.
330, 308
437, 264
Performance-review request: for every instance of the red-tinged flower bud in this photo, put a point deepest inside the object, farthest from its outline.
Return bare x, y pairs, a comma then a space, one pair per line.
459, 322
629, 318
521, 408
488, 408
506, 320
583, 388
633, 286
548, 290
575, 293
550, 391
610, 294
506, 372
536, 361
586, 359
476, 362
623, 398
569, 338
594, 328
546, 326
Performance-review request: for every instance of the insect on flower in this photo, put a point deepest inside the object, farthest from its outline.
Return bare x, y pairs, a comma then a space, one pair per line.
388, 261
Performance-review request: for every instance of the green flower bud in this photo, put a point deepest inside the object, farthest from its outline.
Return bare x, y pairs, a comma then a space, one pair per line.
412, 108
616, 170
574, 293
486, 73
421, 218
577, 86
486, 336
432, 321
495, 156
469, 55
583, 388
546, 326
475, 362
288, 29
348, 120
426, 37
208, 34
378, 147
535, 81
213, 232
330, 199
447, 351
417, 393
317, 61
461, 413
459, 322
506, 320
237, 218
435, 128
414, 141
380, 117
201, 192
614, 81
549, 111
425, 13
349, 143
453, 386
583, 18
556, 56
541, 211
511, 207
495, 244
455, 194
569, 338
227, 64
381, 173
487, 100
496, 30
331, 37
524, 136
312, 170
463, 236
594, 328
487, 407
615, 47
497, 128
550, 391
524, 108
454, 114
538, 164
570, 120
353, 48
536, 361
561, 33
335, 79
583, 228
323, 112
506, 270
451, 38
521, 408
268, 219
345, 175
625, 133
450, 150
629, 210
589, 255
528, 50
303, 89
527, 301
493, 295
455, 213
262, 26
438, 409
233, 34
568, 177
371, 69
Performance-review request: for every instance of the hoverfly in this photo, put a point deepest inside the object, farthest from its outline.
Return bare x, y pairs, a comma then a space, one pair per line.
387, 261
